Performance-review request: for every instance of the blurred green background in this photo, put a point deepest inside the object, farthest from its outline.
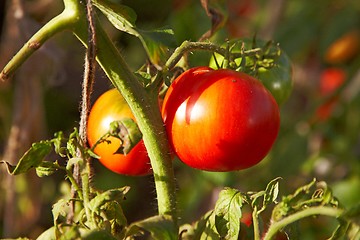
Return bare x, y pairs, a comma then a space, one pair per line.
44, 96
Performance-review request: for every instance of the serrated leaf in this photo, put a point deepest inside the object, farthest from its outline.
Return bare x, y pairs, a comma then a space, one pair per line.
121, 16
128, 132
160, 227
46, 168
60, 208
156, 43
115, 216
271, 191
110, 195
204, 228
228, 213
31, 159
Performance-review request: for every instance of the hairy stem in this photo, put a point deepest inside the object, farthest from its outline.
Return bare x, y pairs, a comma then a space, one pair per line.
145, 108
143, 103
188, 46
255, 218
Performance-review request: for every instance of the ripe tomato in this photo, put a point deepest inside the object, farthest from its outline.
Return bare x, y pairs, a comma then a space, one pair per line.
110, 107
330, 80
277, 79
220, 120
344, 48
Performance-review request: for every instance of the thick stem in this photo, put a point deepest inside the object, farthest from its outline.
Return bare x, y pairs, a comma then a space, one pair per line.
143, 104
255, 218
86, 198
145, 108
55, 25
311, 211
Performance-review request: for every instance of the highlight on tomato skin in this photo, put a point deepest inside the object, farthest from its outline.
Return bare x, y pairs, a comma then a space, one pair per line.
109, 107
220, 120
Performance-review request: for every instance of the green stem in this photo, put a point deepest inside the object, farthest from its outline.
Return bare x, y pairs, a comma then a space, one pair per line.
255, 218
188, 46
145, 108
311, 211
86, 194
73, 182
143, 103
63, 21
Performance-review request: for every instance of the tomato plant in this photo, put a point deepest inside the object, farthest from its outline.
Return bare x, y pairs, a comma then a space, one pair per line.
274, 72
220, 120
344, 48
216, 120
110, 107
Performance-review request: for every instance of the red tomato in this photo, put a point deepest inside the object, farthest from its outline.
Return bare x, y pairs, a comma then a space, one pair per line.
330, 80
220, 120
110, 107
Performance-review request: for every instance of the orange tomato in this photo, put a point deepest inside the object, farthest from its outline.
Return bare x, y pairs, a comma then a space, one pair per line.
109, 107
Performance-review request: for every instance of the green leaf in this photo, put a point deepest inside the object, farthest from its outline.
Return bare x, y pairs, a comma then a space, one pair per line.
49, 234
60, 208
115, 216
128, 132
340, 231
46, 168
202, 229
271, 192
264, 198
68, 232
57, 141
156, 43
72, 143
160, 227
31, 159
353, 214
97, 202
228, 213
95, 234
121, 16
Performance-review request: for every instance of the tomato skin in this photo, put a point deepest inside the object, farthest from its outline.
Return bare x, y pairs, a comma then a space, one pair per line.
109, 107
220, 120
344, 48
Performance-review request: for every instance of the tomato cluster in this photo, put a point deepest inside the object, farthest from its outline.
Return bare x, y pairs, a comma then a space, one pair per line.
220, 120
216, 120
